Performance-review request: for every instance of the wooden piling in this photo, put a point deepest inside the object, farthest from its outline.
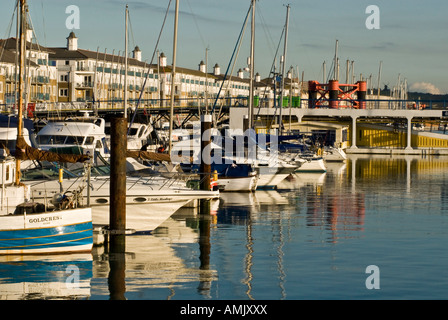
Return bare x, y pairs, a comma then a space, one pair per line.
117, 213
117, 276
204, 242
206, 167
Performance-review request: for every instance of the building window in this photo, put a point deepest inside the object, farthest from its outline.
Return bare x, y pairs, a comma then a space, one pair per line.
63, 78
63, 92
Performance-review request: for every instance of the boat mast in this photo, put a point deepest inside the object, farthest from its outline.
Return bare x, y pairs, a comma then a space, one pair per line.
173, 74
335, 65
379, 83
125, 100
21, 14
283, 71
251, 66
206, 81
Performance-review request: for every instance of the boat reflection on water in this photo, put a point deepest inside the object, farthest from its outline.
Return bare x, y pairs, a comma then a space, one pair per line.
239, 208
326, 202
152, 262
275, 244
342, 216
37, 277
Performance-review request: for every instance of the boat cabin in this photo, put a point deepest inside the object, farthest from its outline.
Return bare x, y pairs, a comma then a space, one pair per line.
85, 134
137, 137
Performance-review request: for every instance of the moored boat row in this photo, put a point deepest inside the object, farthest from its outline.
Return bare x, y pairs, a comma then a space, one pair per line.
58, 213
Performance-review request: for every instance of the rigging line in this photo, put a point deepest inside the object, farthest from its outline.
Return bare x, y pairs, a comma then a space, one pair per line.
43, 23
38, 49
233, 68
149, 68
239, 38
8, 32
268, 35
131, 31
273, 69
196, 23
95, 93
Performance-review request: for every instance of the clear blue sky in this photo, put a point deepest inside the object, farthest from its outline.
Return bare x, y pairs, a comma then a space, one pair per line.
412, 40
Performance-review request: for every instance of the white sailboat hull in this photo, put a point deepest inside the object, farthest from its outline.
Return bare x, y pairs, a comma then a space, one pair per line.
140, 217
270, 177
313, 165
238, 184
335, 155
146, 208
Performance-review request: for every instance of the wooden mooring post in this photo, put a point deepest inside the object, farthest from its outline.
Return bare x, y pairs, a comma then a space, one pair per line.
206, 166
117, 210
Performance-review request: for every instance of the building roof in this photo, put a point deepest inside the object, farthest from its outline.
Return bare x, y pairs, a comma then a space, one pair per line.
7, 56
10, 44
81, 54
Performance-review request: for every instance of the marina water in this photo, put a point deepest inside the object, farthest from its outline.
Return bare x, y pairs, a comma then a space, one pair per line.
317, 237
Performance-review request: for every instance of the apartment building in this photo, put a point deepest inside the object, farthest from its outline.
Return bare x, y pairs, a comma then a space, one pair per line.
40, 84
85, 76
70, 75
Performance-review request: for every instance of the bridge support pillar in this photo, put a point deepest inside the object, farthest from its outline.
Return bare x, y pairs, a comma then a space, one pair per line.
409, 134
353, 146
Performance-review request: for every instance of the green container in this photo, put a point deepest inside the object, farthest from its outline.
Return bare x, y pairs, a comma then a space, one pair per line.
285, 101
296, 102
256, 101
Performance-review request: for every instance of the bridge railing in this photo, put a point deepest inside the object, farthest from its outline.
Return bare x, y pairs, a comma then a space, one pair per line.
410, 104
296, 102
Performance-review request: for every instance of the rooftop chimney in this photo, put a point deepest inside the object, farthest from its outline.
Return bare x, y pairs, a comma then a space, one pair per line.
202, 67
137, 53
216, 70
72, 42
162, 60
240, 74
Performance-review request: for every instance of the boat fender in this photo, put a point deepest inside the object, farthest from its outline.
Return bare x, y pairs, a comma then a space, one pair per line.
61, 175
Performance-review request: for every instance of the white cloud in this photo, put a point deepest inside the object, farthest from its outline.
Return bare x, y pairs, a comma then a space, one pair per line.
424, 87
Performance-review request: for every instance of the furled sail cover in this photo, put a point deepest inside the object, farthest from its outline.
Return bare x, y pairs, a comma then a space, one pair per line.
25, 152
148, 155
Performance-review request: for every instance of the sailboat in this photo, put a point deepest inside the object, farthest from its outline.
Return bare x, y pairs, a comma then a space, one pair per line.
149, 200
63, 225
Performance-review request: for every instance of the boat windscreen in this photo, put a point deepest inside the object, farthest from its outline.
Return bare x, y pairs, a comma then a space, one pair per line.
67, 140
50, 139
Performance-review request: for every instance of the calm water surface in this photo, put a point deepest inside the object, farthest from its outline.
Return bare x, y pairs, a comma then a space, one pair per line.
313, 238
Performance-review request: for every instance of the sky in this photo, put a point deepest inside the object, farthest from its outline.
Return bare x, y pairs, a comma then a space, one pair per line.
408, 37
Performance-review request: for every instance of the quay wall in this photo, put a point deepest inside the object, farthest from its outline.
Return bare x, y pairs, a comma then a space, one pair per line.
375, 136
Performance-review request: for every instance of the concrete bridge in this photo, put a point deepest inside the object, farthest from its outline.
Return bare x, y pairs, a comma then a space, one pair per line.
351, 115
